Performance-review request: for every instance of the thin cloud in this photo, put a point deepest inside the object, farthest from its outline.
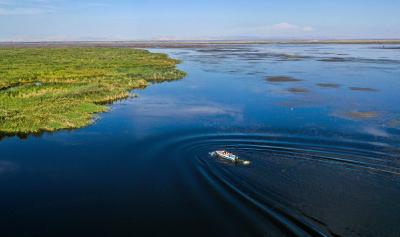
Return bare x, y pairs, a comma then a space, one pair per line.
308, 29
284, 26
281, 29
29, 7
97, 4
21, 11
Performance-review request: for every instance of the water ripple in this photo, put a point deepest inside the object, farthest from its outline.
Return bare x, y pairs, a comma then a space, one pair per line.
258, 199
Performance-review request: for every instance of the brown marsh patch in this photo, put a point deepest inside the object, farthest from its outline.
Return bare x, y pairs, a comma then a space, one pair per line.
298, 90
328, 85
282, 79
366, 89
291, 57
333, 59
361, 115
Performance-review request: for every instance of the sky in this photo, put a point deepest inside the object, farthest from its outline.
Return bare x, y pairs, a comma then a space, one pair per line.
52, 20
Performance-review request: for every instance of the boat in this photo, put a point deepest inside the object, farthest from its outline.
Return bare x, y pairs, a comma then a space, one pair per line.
227, 155
230, 157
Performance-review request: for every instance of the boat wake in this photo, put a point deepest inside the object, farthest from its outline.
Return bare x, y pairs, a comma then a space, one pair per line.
295, 185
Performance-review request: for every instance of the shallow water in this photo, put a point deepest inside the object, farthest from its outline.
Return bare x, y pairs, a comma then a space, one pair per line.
325, 157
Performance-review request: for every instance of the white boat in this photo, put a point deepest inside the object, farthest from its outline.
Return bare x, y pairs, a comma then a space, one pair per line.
227, 155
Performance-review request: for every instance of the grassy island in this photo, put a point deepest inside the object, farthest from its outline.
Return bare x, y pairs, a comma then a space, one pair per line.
47, 89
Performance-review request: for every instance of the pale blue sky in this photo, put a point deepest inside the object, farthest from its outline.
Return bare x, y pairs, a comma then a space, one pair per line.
205, 19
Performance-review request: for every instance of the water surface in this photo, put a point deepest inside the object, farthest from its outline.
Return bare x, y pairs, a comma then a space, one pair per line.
324, 147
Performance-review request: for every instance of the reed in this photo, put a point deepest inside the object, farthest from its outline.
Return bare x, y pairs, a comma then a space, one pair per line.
47, 89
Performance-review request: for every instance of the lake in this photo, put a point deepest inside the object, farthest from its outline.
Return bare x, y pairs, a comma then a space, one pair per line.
319, 123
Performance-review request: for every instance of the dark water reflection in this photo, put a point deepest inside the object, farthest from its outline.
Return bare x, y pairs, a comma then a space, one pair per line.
322, 165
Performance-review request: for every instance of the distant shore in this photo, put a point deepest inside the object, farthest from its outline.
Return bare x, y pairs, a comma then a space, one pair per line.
186, 44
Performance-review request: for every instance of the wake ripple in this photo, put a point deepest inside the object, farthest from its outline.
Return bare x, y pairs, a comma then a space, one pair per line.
248, 189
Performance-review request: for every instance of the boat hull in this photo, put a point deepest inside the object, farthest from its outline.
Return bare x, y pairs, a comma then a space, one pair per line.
226, 157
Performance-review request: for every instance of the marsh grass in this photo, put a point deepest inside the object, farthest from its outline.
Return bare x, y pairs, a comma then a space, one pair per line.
47, 89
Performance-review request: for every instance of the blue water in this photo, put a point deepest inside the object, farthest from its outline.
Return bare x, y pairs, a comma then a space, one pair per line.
325, 161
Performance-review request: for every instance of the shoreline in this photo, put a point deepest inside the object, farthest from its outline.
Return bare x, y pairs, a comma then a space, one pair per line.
51, 89
188, 43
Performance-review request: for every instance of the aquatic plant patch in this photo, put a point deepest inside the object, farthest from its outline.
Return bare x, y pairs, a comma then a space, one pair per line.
46, 89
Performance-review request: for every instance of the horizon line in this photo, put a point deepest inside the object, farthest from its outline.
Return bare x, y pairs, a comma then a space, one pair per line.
283, 40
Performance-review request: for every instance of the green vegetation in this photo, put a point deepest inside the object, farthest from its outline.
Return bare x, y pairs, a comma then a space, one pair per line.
46, 89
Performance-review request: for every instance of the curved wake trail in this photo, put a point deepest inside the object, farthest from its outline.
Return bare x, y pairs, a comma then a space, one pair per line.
288, 178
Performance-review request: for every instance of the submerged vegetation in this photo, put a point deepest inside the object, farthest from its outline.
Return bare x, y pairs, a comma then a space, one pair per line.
328, 85
46, 89
361, 115
363, 89
298, 90
282, 79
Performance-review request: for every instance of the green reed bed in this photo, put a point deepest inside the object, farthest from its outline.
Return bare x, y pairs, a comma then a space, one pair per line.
46, 89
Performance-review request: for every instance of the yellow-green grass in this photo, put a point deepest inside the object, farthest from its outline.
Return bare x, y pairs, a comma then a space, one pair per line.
47, 89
